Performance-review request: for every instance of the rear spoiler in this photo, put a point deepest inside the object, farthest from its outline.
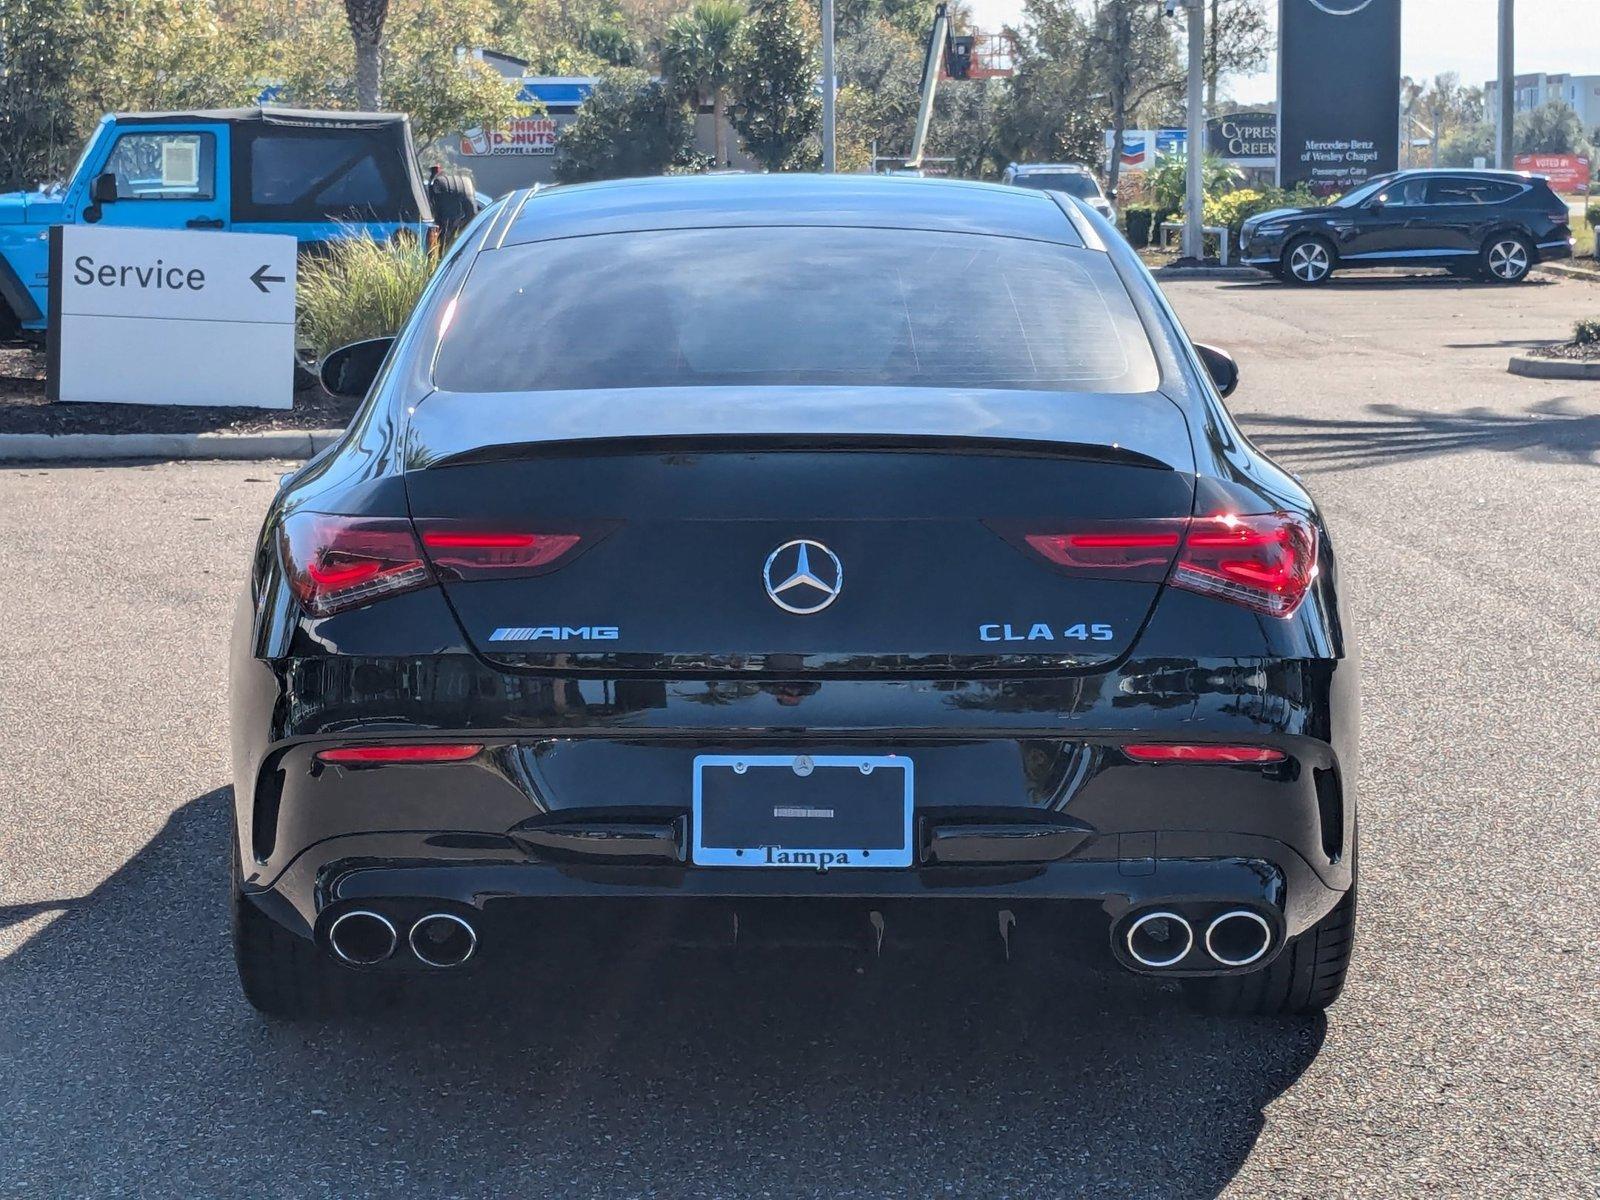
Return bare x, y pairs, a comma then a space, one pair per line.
1145, 428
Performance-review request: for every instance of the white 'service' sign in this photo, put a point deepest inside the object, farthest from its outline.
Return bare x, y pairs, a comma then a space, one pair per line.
162, 316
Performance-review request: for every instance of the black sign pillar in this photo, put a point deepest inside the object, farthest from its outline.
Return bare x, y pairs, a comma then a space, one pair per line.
1338, 92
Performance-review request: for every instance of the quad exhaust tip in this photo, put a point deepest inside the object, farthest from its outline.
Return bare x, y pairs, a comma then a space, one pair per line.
362, 938
1238, 938
1160, 939
443, 940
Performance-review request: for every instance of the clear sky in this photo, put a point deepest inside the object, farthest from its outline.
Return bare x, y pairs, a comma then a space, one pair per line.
1438, 35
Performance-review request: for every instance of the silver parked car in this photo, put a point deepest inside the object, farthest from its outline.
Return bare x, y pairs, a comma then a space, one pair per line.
1075, 179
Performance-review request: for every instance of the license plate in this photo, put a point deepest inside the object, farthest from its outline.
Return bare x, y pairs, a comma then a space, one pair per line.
821, 812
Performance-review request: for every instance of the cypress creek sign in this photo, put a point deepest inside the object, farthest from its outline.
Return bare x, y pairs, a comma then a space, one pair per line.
1247, 137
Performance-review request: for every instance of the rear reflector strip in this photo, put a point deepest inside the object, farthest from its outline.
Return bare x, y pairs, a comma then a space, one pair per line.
447, 752
1201, 753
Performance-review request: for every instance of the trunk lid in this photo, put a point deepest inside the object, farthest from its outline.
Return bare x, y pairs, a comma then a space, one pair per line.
803, 553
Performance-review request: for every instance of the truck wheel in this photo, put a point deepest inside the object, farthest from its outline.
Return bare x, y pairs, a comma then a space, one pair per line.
286, 976
1306, 978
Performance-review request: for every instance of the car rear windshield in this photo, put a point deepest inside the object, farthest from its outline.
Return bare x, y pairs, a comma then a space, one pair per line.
794, 305
1073, 183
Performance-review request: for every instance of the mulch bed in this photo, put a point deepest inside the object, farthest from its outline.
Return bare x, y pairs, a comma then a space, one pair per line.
1572, 351
23, 408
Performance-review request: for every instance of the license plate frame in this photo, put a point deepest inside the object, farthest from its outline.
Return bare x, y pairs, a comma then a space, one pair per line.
818, 772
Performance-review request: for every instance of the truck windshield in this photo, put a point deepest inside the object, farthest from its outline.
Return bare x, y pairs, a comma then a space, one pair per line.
794, 305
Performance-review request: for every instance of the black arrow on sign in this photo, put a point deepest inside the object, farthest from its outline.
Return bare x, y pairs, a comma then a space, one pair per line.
261, 278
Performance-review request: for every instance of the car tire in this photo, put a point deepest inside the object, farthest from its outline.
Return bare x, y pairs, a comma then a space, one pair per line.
1307, 262
1506, 258
286, 976
1306, 978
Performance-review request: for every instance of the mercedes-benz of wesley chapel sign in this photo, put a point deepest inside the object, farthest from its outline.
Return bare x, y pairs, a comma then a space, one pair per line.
155, 316
1338, 83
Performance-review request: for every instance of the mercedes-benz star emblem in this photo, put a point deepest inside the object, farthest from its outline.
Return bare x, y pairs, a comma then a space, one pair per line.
1340, 8
803, 576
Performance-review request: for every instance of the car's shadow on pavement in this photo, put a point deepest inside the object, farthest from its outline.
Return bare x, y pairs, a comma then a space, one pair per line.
1385, 283
129, 1064
1549, 431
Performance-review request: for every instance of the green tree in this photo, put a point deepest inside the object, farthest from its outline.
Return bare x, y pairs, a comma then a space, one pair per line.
698, 58
366, 19
1057, 109
880, 69
426, 76
630, 125
1238, 40
776, 109
422, 71
165, 54
40, 45
968, 127
1131, 49
1461, 147
1552, 128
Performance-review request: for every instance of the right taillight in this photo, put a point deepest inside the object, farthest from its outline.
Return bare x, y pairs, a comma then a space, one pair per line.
336, 563
1264, 562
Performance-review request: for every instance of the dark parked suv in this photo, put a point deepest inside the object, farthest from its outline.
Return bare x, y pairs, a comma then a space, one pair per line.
1495, 224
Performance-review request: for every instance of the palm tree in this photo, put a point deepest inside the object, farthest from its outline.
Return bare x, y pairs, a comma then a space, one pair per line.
697, 55
366, 18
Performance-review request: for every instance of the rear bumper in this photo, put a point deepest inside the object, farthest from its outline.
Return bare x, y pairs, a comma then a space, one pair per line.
1076, 902
1068, 826
583, 792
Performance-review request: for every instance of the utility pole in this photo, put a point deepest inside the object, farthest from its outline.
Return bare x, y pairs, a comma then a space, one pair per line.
828, 87
1508, 85
1193, 236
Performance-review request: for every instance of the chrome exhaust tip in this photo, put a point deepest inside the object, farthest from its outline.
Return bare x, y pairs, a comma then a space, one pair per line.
1159, 939
442, 940
362, 938
1238, 938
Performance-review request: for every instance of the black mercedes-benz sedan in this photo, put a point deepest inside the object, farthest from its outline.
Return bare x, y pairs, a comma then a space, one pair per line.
836, 553
1496, 225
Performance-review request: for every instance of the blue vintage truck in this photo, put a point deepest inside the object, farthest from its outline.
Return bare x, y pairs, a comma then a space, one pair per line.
317, 175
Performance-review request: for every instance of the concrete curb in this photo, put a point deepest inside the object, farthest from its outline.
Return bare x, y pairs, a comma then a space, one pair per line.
1165, 273
1553, 368
1568, 271
111, 447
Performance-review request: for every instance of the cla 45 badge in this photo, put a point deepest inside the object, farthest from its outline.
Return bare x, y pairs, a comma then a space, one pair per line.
1039, 631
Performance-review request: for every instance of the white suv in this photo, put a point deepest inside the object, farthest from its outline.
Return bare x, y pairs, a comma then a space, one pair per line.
1072, 178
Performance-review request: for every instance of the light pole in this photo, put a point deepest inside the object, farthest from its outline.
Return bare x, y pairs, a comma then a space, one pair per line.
1193, 233
1508, 85
827, 87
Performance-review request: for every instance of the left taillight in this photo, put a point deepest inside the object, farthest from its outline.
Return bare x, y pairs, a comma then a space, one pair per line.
464, 552
337, 563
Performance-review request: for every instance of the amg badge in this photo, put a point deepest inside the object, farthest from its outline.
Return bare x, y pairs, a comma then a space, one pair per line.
555, 633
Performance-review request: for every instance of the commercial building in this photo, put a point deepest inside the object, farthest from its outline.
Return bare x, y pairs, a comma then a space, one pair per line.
1580, 92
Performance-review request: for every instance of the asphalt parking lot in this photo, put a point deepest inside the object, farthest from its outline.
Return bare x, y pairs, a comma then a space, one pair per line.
1462, 1061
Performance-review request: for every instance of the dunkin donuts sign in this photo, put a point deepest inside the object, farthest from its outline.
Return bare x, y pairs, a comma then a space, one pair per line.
525, 135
